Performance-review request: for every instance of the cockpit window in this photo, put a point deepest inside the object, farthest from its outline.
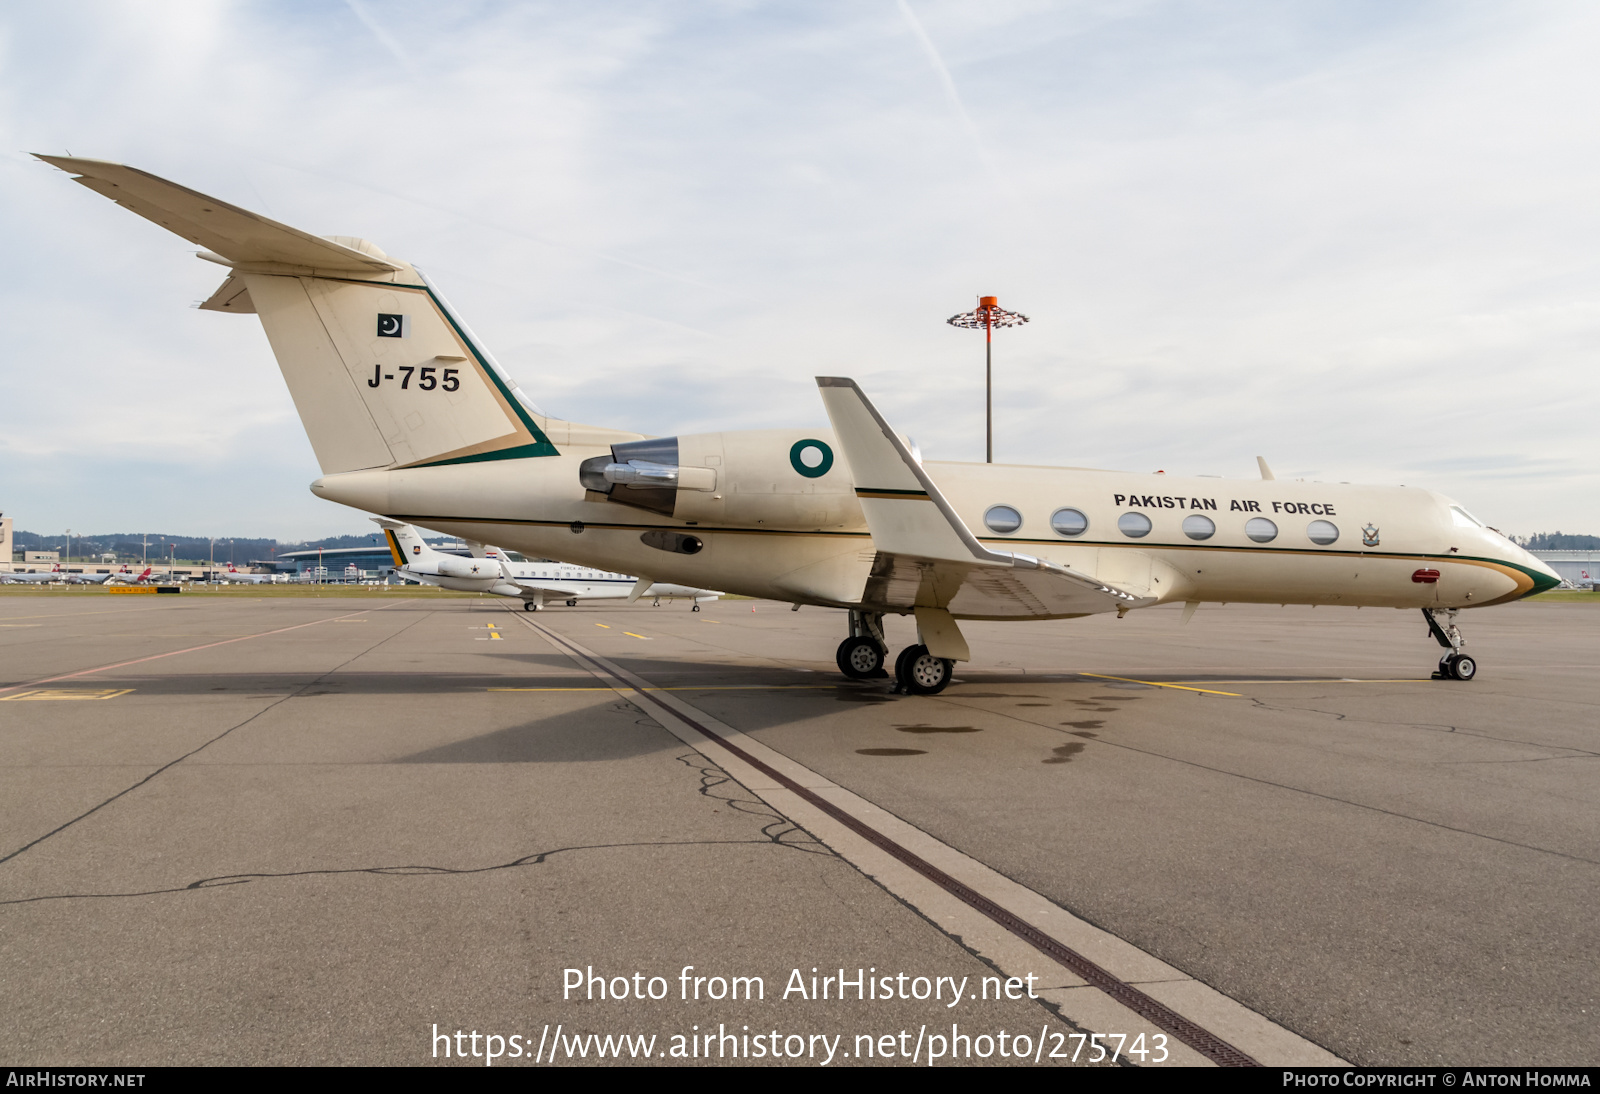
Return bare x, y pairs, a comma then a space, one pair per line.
1464, 519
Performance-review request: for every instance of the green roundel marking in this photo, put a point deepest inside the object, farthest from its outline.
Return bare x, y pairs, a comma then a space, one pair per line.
813, 450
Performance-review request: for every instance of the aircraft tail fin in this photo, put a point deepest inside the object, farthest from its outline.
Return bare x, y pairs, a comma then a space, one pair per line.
406, 545
382, 371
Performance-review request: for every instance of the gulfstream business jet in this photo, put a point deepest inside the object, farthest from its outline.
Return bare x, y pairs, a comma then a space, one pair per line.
411, 417
504, 573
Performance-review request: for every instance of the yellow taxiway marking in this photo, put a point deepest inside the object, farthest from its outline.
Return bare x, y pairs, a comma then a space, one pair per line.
630, 634
607, 626
1155, 684
700, 687
1328, 680
67, 693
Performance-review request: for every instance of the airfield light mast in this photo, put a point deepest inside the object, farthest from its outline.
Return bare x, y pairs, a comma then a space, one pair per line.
986, 317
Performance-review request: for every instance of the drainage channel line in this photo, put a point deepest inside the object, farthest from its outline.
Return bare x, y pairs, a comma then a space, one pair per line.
1191, 1033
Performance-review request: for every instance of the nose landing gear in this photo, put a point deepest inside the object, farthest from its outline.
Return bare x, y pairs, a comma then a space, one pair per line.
1454, 665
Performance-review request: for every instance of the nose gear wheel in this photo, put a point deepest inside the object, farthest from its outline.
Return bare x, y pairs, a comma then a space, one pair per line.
1454, 665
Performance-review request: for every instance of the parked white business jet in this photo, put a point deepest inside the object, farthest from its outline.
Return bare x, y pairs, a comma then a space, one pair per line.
233, 576
492, 570
42, 577
57, 574
411, 417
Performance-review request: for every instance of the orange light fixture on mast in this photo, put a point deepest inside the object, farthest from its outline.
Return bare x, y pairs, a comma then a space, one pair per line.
986, 317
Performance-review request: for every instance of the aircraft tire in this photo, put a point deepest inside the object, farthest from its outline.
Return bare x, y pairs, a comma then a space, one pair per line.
860, 658
1462, 667
573, 603
695, 608
921, 673
528, 606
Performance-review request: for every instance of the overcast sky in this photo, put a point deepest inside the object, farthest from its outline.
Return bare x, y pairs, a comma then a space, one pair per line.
1359, 239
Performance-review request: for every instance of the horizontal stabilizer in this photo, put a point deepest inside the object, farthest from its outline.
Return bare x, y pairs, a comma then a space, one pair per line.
238, 235
231, 296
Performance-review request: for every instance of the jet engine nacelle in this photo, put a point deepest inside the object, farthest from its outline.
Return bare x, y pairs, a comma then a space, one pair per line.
780, 478
456, 566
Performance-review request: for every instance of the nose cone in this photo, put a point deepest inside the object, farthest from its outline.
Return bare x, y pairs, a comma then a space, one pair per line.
1543, 576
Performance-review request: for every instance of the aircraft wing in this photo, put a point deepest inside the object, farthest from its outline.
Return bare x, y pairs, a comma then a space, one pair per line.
236, 234
927, 557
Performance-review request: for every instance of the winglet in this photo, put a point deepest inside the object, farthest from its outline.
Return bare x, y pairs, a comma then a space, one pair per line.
638, 589
905, 511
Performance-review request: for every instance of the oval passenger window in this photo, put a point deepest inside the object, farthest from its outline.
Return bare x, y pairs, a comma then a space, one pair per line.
1198, 527
1322, 531
1261, 529
1134, 525
1069, 522
1002, 519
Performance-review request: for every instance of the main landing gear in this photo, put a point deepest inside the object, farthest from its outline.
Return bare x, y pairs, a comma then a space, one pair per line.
1454, 665
861, 655
529, 606
916, 671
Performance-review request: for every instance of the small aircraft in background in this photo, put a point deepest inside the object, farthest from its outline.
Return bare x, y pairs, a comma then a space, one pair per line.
43, 577
237, 577
506, 573
56, 573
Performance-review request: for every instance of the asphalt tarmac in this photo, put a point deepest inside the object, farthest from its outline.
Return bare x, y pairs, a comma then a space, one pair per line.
320, 831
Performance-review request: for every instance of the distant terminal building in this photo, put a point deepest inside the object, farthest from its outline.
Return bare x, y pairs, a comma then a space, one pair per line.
1575, 567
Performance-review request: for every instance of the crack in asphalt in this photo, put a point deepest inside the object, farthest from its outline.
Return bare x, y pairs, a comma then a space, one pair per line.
713, 777
170, 764
533, 859
1444, 727
1292, 789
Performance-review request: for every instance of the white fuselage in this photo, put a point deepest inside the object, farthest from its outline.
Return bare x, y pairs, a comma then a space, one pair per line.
811, 545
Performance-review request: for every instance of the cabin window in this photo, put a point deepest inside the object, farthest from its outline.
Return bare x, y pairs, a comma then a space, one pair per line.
1198, 527
1261, 529
1322, 531
1069, 522
1134, 525
1464, 519
1002, 519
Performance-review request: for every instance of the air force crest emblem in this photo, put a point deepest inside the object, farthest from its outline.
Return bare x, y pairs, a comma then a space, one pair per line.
1369, 536
392, 326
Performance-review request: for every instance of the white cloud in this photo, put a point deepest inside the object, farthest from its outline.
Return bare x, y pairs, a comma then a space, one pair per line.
1355, 238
